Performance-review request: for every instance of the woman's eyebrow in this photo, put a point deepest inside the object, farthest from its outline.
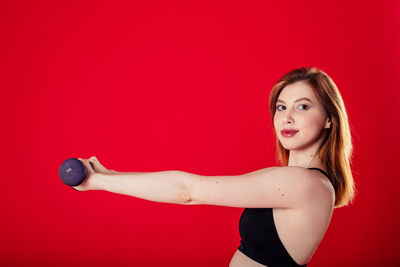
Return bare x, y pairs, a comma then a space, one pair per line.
297, 100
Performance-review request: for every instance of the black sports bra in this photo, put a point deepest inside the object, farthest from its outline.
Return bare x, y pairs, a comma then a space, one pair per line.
260, 240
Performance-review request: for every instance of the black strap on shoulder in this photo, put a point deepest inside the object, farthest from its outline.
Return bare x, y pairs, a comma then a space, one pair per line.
321, 171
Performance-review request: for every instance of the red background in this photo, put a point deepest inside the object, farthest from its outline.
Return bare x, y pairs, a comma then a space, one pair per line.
183, 85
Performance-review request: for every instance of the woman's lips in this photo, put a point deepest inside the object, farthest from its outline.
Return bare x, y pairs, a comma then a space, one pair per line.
288, 133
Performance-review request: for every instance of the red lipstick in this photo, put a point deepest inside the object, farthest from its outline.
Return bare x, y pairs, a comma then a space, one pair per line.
288, 132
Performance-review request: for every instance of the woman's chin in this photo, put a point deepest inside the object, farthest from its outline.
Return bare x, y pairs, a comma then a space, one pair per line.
288, 146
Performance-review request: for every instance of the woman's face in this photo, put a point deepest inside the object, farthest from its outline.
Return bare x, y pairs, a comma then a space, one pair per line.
294, 111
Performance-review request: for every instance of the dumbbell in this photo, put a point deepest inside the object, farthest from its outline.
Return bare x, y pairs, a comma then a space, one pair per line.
72, 172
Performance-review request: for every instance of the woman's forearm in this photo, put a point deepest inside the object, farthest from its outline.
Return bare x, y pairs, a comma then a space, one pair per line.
163, 186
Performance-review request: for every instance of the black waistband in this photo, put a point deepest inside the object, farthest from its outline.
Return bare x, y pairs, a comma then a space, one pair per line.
266, 259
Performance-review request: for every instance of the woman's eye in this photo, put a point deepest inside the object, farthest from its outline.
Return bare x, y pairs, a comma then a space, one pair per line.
277, 107
306, 106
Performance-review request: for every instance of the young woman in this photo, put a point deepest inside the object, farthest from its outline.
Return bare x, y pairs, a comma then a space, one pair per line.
288, 208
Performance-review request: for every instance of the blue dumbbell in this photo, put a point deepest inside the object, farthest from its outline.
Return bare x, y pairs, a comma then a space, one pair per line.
73, 172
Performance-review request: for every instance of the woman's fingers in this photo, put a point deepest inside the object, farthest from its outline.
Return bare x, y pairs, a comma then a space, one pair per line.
94, 163
87, 166
97, 165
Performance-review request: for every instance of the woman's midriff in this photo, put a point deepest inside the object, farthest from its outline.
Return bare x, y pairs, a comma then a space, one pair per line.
241, 260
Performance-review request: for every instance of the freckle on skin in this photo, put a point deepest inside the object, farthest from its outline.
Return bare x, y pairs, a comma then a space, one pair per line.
279, 189
283, 195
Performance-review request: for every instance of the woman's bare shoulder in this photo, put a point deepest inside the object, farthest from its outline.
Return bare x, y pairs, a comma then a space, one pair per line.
323, 189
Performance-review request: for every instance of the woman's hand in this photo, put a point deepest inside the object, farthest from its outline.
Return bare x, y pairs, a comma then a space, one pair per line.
98, 168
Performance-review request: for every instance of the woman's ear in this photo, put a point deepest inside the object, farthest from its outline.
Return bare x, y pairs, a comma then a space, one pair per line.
328, 123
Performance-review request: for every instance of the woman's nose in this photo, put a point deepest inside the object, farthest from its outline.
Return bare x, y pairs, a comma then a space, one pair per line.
288, 118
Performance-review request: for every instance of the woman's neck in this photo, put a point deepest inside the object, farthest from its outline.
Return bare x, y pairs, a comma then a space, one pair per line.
306, 158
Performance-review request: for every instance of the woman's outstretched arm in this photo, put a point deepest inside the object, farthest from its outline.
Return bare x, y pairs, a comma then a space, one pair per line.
283, 187
163, 186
